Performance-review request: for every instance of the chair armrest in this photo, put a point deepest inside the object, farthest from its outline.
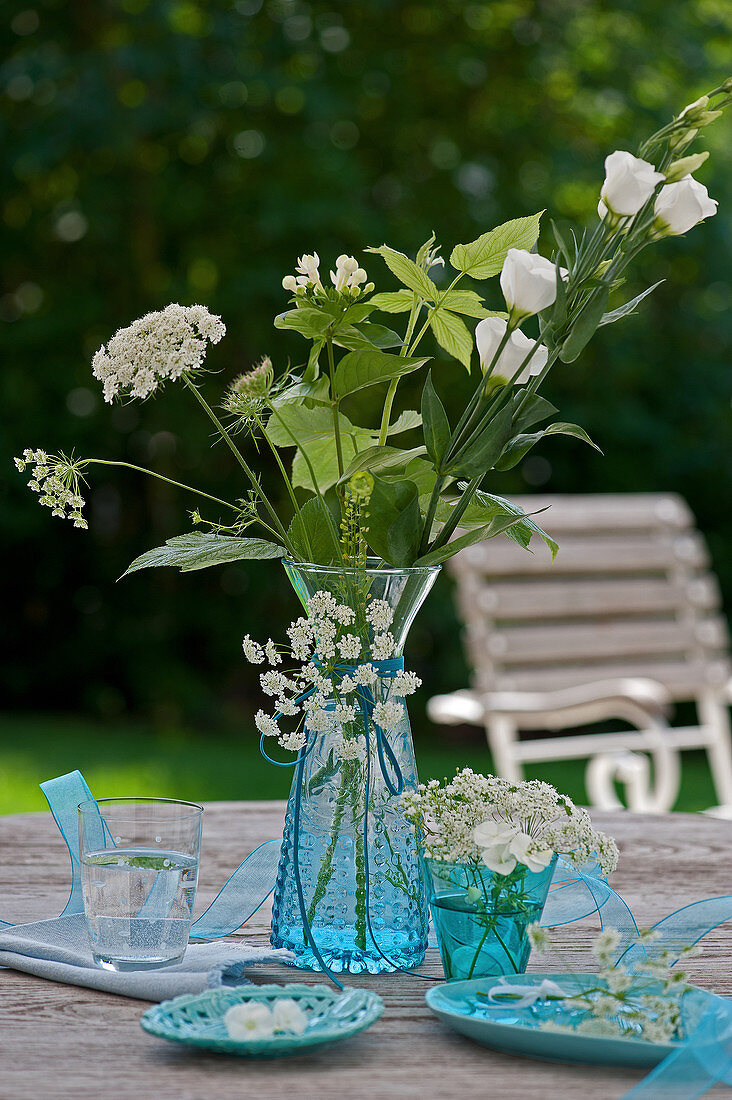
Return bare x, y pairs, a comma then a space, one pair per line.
638, 701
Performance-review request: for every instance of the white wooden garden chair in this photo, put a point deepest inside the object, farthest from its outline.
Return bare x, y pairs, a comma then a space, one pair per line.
624, 623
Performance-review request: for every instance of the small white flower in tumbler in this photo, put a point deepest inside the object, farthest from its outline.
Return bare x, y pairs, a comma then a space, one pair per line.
249, 1020
629, 184
528, 282
489, 334
680, 206
288, 1016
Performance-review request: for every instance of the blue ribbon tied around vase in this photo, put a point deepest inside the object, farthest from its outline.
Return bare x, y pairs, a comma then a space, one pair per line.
701, 1061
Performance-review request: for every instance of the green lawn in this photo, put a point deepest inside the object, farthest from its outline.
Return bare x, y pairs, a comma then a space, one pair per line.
210, 765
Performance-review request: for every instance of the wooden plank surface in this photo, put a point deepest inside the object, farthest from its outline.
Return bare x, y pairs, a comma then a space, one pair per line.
63, 1042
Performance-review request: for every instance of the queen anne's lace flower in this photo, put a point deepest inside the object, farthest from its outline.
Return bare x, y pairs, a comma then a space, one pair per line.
326, 696
57, 481
156, 347
482, 819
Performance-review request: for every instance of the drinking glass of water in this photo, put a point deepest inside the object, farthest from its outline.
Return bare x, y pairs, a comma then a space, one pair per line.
139, 871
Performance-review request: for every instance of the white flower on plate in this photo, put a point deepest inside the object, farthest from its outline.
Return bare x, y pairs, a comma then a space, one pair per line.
629, 184
528, 282
680, 206
249, 1020
288, 1016
488, 336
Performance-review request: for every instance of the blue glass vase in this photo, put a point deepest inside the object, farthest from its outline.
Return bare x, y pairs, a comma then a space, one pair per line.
349, 892
481, 918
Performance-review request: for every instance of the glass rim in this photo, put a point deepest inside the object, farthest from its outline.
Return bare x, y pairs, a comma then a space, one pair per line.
371, 571
96, 804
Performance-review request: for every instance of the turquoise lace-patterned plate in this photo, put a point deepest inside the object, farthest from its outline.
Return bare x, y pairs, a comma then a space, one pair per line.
198, 1018
502, 1028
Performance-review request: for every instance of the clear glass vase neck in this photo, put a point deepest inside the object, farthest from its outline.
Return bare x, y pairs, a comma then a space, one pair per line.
405, 590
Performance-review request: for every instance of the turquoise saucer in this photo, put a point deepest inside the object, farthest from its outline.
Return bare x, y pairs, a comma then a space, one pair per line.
198, 1018
503, 1028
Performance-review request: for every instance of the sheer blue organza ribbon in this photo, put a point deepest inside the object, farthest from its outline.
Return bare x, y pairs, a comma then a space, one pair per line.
702, 1060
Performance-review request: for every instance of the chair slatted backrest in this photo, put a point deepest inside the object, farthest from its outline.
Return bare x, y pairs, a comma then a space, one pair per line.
629, 594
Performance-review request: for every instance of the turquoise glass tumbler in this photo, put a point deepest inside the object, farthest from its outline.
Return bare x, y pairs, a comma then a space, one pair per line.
361, 897
481, 918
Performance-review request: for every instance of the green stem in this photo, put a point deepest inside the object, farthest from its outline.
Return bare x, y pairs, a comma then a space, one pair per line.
430, 517
334, 407
243, 463
161, 477
457, 512
390, 393
290, 489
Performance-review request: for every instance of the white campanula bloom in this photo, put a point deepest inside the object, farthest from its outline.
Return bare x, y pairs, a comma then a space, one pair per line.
629, 184
308, 270
489, 334
157, 347
348, 275
528, 282
252, 650
249, 1020
680, 206
288, 1016
406, 683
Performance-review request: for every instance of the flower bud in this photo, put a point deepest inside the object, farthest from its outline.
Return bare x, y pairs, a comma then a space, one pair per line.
692, 110
290, 283
685, 167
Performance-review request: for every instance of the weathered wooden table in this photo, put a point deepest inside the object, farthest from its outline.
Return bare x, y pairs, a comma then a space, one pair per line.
65, 1042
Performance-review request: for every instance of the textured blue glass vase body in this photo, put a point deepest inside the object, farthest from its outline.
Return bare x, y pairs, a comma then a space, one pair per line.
362, 888
481, 919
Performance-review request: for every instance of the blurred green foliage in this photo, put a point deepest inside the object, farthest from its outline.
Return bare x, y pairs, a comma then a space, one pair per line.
161, 150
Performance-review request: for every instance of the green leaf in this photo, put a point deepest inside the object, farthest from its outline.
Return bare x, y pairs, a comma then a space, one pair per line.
480, 455
398, 301
437, 432
317, 391
359, 369
405, 422
313, 533
382, 458
564, 236
535, 409
200, 549
584, 326
407, 271
484, 257
628, 308
452, 334
468, 303
358, 312
520, 445
307, 321
303, 423
321, 452
573, 430
312, 370
497, 526
380, 336
394, 521
521, 532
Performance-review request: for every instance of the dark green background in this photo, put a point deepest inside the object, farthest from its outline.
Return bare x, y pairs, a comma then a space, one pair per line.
159, 151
